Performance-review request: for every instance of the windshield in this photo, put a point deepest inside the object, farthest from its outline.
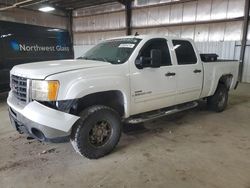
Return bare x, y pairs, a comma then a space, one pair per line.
115, 51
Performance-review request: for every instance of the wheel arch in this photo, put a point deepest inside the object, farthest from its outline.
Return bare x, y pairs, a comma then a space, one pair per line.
226, 80
114, 99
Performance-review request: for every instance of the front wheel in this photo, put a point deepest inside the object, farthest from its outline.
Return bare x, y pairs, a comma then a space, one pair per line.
218, 102
97, 133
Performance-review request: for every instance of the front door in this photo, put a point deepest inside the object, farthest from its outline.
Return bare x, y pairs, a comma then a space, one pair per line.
153, 88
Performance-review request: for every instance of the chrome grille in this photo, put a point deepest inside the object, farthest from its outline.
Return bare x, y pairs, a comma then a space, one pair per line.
19, 87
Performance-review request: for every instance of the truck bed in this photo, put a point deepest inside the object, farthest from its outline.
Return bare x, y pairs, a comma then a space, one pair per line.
213, 72
220, 60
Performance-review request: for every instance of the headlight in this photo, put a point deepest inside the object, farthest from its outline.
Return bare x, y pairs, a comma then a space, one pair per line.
44, 90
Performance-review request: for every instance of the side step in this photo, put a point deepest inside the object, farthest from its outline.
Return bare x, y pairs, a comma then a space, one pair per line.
160, 113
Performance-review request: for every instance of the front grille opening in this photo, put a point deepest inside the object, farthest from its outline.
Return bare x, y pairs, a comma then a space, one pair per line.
19, 87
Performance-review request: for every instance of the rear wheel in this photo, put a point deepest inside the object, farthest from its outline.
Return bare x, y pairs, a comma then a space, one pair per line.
218, 102
97, 132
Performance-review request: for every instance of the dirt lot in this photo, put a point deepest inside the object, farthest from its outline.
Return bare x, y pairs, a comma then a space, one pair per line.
193, 149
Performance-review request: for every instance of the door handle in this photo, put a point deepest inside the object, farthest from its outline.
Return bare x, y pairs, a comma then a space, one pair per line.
170, 74
197, 71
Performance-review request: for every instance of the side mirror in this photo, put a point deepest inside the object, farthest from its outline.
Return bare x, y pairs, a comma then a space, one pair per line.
155, 56
140, 62
153, 61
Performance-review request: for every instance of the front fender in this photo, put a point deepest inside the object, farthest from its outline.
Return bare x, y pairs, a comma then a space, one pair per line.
81, 88
85, 87
80, 83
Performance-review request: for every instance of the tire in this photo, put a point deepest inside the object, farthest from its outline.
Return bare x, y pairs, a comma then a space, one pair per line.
218, 102
97, 132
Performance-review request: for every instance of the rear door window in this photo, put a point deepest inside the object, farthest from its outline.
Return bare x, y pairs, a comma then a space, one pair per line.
184, 52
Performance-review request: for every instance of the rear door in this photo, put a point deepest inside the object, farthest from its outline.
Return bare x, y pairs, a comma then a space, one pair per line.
189, 72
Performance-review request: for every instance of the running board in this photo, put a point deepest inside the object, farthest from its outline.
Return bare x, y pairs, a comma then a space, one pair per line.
160, 113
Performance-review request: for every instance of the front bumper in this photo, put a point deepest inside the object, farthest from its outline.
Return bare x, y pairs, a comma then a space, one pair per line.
39, 121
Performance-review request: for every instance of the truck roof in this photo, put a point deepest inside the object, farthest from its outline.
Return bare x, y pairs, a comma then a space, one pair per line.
151, 36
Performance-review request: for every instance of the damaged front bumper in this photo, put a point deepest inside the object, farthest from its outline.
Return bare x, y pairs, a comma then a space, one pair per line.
40, 121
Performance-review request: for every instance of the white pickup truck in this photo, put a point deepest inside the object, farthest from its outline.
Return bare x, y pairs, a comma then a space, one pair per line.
127, 79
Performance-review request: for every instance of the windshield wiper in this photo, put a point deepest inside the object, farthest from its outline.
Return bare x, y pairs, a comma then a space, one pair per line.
81, 58
95, 58
100, 59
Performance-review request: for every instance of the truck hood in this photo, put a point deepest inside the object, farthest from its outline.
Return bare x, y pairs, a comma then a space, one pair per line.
41, 70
